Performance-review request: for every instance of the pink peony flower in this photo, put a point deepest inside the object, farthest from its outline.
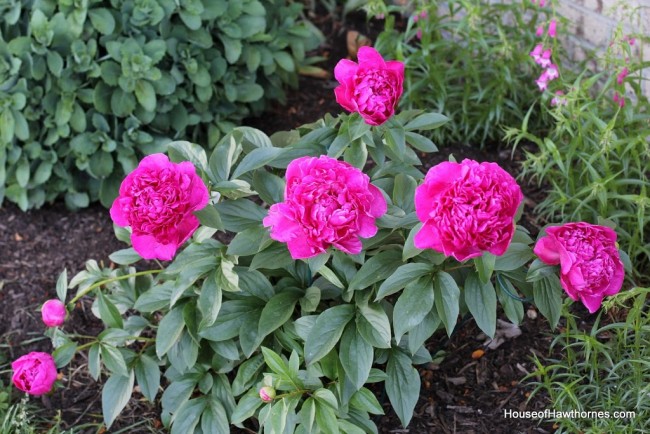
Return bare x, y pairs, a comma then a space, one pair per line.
267, 394
552, 29
467, 208
34, 373
327, 203
372, 87
621, 75
53, 313
590, 265
157, 200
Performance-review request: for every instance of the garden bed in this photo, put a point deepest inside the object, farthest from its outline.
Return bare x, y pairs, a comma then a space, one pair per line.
460, 393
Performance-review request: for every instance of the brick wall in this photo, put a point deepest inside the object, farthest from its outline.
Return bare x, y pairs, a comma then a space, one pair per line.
593, 23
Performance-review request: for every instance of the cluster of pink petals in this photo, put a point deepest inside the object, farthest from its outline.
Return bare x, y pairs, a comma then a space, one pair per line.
34, 373
552, 29
622, 75
53, 313
372, 87
542, 57
559, 99
590, 264
327, 203
542, 3
467, 208
157, 200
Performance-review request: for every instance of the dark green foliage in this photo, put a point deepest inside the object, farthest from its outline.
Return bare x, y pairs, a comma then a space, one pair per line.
88, 86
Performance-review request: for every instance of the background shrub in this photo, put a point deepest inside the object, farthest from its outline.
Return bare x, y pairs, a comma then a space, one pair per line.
87, 86
468, 59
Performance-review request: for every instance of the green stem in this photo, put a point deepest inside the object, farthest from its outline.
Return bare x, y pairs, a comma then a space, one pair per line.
112, 279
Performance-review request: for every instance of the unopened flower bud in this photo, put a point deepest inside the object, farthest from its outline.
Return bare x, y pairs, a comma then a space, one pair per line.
267, 394
53, 313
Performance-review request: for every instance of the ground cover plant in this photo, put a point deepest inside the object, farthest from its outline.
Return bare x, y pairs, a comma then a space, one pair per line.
89, 87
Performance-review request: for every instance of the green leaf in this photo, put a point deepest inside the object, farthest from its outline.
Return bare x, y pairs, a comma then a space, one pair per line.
277, 311
285, 60
215, 419
108, 312
241, 214
326, 419
547, 293
356, 356
420, 142
447, 297
63, 354
249, 92
427, 121
401, 277
513, 309
209, 302
481, 300
373, 325
113, 359
270, 187
246, 408
412, 306
276, 364
410, 251
423, 331
122, 103
187, 416
54, 63
94, 363
182, 150
115, 395
485, 266
146, 95
43, 173
255, 159
125, 256
326, 397
402, 385
365, 400
247, 374
62, 285
377, 268
327, 331
249, 241
273, 257
209, 216
309, 303
102, 20
517, 255
307, 414
169, 330
147, 374
226, 277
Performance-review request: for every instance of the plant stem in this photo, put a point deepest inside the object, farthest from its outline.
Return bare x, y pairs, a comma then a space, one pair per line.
112, 279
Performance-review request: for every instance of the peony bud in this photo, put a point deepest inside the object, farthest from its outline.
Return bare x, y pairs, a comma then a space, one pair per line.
267, 394
53, 313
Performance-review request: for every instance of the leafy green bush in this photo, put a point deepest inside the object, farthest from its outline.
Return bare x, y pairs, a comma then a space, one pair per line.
467, 59
602, 370
87, 87
595, 157
225, 319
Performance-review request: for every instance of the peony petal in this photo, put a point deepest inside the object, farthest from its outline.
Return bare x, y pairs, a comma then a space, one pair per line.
592, 301
351, 245
546, 250
300, 248
344, 97
345, 70
367, 226
149, 248
378, 206
428, 238
116, 212
438, 180
369, 58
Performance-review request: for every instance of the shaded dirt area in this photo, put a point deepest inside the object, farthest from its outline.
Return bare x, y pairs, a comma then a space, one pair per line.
459, 394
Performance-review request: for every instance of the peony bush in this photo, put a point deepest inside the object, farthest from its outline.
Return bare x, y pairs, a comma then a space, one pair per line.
305, 269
